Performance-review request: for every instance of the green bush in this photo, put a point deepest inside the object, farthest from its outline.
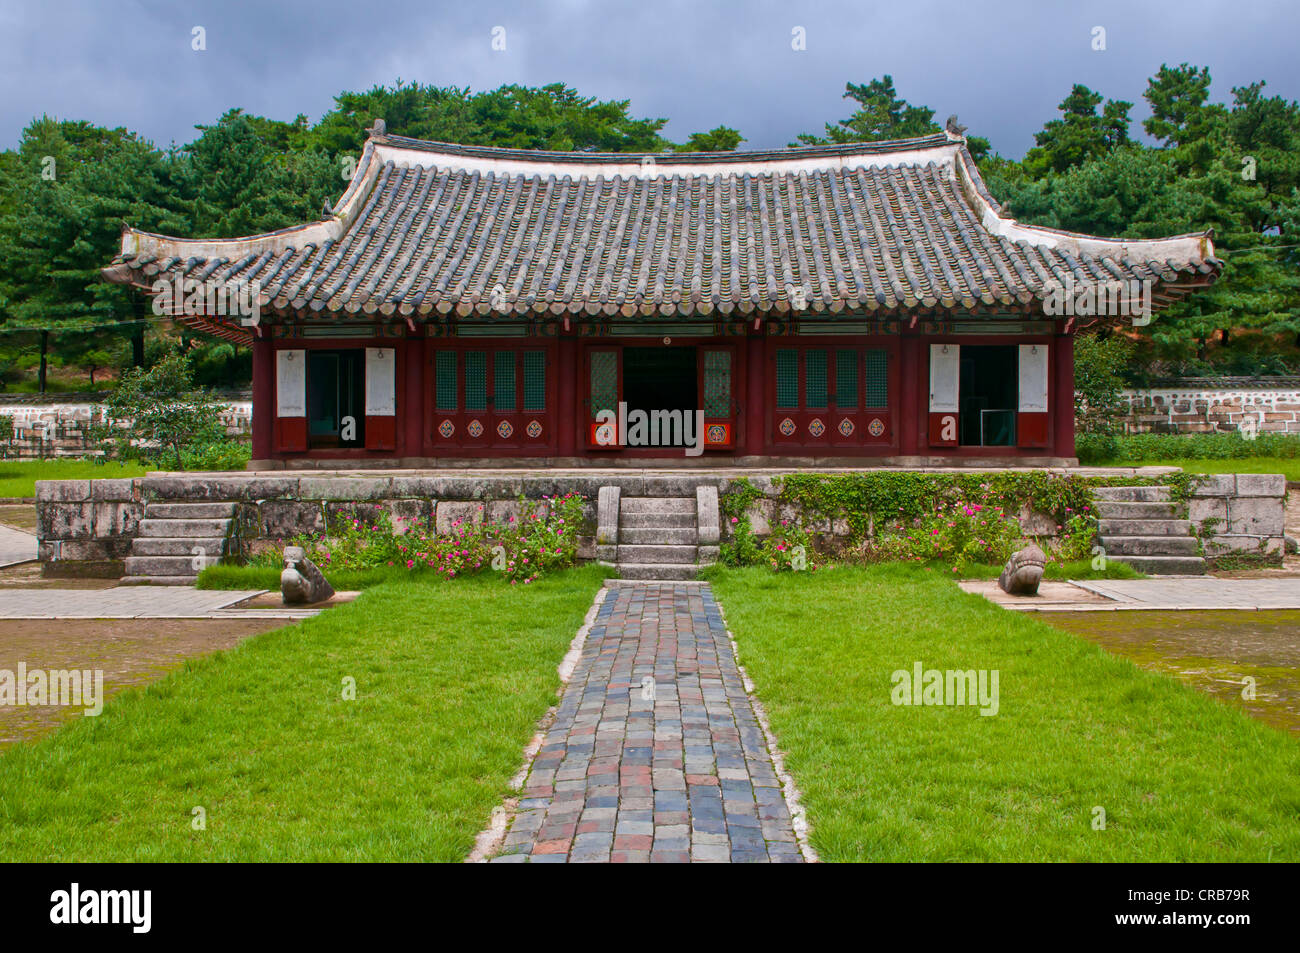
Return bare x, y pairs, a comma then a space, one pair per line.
1132, 448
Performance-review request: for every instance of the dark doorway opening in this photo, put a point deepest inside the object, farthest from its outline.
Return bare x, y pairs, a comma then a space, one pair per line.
336, 413
660, 378
989, 395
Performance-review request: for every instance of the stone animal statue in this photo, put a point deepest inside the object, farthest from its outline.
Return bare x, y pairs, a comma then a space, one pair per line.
1023, 572
302, 581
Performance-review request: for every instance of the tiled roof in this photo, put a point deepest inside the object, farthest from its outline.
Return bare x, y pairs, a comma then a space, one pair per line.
427, 229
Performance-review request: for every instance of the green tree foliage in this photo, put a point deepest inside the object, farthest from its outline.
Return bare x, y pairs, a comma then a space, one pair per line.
882, 114
1082, 133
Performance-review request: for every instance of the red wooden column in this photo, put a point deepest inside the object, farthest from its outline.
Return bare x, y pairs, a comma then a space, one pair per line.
912, 398
410, 403
263, 396
1063, 395
569, 385
755, 410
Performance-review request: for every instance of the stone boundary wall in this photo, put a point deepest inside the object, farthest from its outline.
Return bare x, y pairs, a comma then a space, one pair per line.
60, 428
1207, 409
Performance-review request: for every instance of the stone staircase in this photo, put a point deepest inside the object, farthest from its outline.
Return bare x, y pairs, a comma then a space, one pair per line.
176, 539
658, 538
1142, 526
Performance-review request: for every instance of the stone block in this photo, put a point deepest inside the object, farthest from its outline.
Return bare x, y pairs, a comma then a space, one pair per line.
60, 520
1200, 509
62, 490
707, 515
451, 514
344, 488
607, 509
285, 519
116, 519
1223, 545
117, 490
1255, 516
1261, 484
1214, 484
505, 512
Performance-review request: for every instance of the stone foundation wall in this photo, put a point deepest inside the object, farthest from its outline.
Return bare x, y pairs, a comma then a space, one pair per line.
1240, 514
45, 428
1267, 408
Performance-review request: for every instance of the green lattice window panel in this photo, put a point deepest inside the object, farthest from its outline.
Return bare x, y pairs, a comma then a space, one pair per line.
475, 380
877, 379
787, 379
814, 378
444, 370
534, 381
846, 379
604, 381
717, 383
503, 382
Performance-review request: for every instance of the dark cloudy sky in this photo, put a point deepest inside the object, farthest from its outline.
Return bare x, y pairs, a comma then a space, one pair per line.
1001, 66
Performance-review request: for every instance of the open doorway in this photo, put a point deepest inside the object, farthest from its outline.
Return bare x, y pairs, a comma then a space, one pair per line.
988, 395
660, 378
335, 398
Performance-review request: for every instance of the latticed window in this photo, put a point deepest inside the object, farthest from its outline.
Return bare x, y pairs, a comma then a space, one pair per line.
787, 378
717, 383
475, 380
877, 379
445, 377
503, 382
534, 381
814, 378
846, 379
604, 381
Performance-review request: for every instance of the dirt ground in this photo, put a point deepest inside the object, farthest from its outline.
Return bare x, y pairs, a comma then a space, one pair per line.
1212, 650
19, 516
130, 652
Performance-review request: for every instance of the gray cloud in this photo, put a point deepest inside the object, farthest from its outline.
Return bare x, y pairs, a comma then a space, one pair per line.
1001, 66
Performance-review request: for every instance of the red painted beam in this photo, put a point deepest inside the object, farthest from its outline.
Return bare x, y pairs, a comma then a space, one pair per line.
263, 398
754, 407
1063, 395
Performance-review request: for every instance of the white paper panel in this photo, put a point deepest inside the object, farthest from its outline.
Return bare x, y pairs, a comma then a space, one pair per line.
291, 383
381, 382
1033, 378
945, 368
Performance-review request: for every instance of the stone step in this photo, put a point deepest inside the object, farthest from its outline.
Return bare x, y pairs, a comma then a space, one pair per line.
650, 520
160, 566
1132, 494
157, 580
658, 535
660, 571
634, 553
1165, 565
657, 504
188, 511
1150, 545
1122, 527
175, 528
177, 546
1139, 511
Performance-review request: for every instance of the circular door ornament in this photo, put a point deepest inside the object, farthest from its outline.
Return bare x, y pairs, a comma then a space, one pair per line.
534, 429
504, 429
447, 429
474, 429
717, 433
876, 427
846, 427
816, 427
786, 427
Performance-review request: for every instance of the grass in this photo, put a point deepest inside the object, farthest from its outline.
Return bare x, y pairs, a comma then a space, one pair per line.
18, 477
1181, 776
450, 681
1075, 569
1290, 466
268, 577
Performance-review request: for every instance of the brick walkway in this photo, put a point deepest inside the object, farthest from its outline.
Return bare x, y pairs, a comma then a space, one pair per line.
675, 769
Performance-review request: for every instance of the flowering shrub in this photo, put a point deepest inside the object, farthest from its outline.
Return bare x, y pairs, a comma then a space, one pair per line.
545, 537
789, 547
961, 533
1077, 536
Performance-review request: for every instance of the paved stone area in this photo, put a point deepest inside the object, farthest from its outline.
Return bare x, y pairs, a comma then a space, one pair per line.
655, 753
137, 602
16, 546
1171, 593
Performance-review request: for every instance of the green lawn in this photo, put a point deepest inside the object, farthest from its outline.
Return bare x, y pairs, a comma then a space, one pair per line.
1287, 465
18, 477
268, 577
1180, 776
450, 677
